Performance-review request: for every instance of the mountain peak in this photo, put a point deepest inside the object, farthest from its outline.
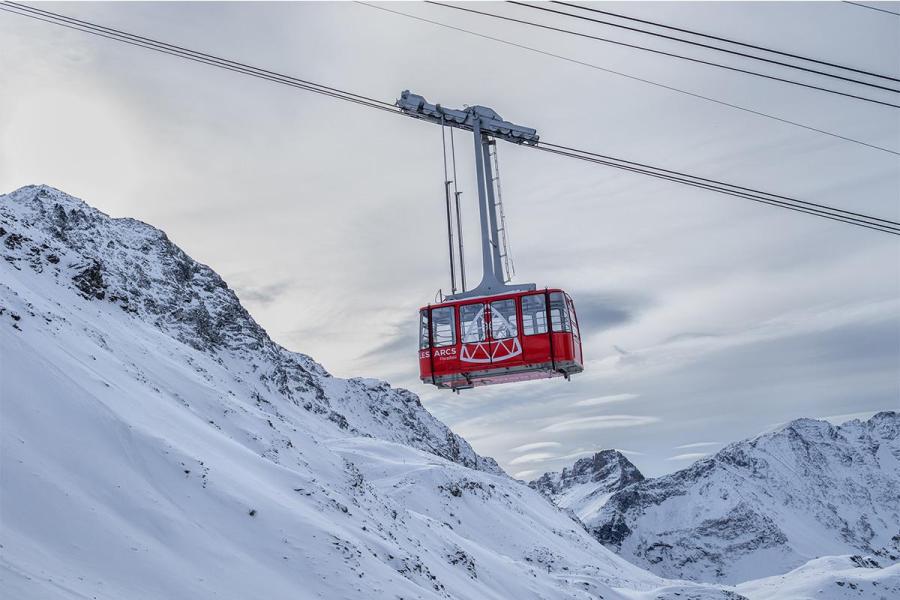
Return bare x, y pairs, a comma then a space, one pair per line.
589, 481
125, 265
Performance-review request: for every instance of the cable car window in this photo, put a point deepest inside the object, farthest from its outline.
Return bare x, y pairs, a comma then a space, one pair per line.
504, 322
443, 327
572, 317
471, 320
423, 329
534, 314
559, 317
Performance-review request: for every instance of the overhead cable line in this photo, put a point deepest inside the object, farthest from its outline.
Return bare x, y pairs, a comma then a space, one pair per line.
835, 214
723, 39
664, 53
629, 76
171, 49
861, 5
715, 182
703, 45
831, 214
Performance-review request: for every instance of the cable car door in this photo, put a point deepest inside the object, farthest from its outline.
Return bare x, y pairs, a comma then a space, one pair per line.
505, 346
475, 350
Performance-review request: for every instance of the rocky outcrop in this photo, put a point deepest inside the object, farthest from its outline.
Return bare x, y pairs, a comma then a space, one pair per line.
589, 482
137, 267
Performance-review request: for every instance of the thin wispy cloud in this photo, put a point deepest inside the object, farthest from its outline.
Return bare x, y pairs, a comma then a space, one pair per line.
631, 452
697, 445
840, 419
601, 422
599, 311
532, 457
579, 454
606, 400
688, 456
535, 446
526, 474
262, 295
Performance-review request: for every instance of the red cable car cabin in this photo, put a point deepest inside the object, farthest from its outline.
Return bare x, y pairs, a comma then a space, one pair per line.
499, 339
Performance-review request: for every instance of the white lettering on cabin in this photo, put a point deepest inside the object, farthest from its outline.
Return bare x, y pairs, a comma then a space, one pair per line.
445, 353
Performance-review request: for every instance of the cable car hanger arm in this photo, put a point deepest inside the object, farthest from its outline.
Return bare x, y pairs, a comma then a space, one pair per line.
490, 122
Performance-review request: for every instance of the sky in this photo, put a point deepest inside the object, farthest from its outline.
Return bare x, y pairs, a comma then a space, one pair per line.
706, 318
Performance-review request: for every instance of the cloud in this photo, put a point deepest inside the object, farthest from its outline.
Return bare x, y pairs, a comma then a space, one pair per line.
688, 456
532, 457
262, 295
402, 342
679, 350
602, 422
535, 446
579, 454
524, 474
598, 311
606, 399
631, 452
697, 445
841, 419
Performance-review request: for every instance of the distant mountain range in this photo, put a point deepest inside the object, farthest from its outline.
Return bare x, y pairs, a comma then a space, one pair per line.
756, 508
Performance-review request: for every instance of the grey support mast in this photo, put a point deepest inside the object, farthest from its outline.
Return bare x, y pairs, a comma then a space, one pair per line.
485, 125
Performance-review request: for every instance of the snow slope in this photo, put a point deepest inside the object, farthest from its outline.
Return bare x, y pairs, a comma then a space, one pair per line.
586, 487
154, 443
763, 506
832, 577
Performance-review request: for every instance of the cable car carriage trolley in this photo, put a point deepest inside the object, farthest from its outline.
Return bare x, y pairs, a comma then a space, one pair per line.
495, 332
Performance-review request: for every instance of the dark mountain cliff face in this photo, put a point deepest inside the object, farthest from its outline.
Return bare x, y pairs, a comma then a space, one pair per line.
136, 267
607, 470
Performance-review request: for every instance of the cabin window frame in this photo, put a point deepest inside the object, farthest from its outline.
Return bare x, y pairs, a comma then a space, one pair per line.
512, 319
439, 339
559, 323
573, 318
535, 318
480, 307
424, 321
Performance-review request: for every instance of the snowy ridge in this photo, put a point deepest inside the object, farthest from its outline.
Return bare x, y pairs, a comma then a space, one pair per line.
135, 267
764, 506
586, 487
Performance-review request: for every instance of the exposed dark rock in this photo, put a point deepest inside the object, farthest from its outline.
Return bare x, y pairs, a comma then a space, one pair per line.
90, 281
610, 469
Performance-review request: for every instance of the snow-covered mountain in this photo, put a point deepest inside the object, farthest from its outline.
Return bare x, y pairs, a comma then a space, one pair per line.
155, 443
587, 485
765, 506
133, 266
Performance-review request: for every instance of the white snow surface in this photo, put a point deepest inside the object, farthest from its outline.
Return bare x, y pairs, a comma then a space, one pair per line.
830, 577
155, 444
